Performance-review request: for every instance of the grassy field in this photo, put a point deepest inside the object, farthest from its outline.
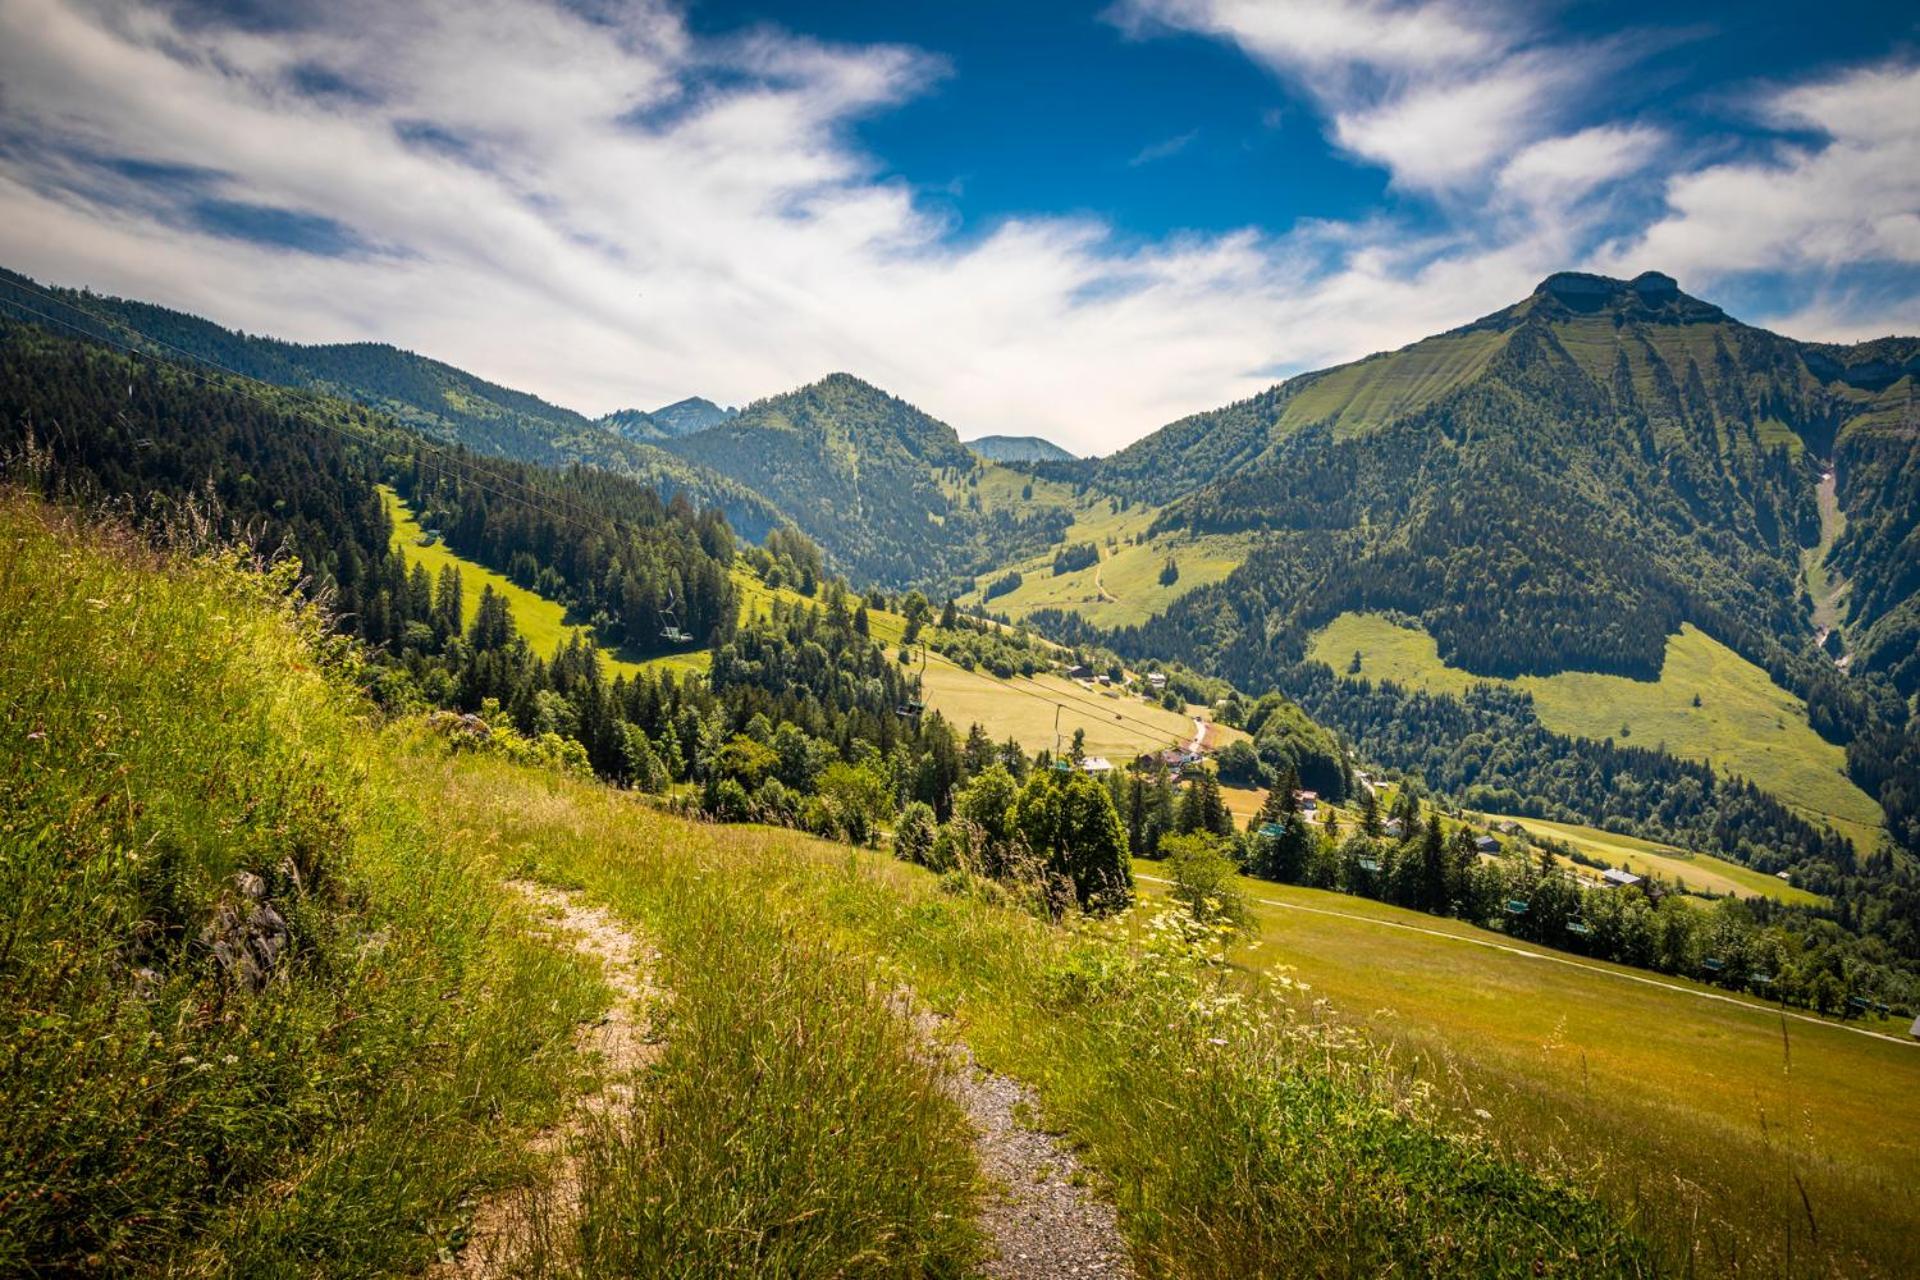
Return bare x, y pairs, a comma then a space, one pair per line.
347, 1118
1699, 872
1125, 587
542, 621
1745, 724
1118, 727
1677, 1102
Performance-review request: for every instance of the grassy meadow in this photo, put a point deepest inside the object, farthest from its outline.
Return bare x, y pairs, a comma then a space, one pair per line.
1125, 587
542, 621
165, 1117
1118, 726
1701, 1112
1696, 872
1745, 724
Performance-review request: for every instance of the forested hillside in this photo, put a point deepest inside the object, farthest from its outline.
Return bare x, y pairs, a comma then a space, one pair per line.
861, 472
412, 390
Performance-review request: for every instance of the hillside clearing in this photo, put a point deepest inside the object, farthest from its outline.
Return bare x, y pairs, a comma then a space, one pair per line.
542, 621
1745, 724
1698, 872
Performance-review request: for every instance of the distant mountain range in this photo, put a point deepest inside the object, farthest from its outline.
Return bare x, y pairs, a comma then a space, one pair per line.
1018, 449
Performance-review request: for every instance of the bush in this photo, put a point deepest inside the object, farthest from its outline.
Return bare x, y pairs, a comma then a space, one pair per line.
1203, 881
913, 838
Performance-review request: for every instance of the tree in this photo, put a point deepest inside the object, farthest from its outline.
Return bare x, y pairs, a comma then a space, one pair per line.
858, 798
1203, 881
913, 835
1201, 806
1369, 813
986, 804
1069, 822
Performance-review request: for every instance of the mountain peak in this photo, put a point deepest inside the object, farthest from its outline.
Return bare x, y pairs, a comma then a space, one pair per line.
1649, 295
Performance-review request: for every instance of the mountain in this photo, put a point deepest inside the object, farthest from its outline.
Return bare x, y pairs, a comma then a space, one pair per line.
1560, 484
1018, 449
427, 395
684, 417
681, 418
877, 482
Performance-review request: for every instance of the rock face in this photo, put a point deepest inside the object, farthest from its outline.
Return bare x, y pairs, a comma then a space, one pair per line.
246, 936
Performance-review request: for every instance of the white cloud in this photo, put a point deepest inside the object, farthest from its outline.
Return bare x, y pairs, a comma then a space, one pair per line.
1851, 197
1437, 92
612, 212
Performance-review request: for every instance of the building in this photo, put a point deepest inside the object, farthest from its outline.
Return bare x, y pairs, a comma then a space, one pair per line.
1079, 672
1485, 844
1097, 765
1393, 828
1157, 679
1307, 801
1615, 878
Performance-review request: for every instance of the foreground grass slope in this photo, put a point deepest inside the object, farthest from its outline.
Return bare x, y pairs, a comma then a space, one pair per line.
166, 727
1744, 723
160, 735
1716, 1116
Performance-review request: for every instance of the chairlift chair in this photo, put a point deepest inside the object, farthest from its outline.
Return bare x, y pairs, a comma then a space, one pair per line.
670, 629
1578, 927
1517, 906
1713, 964
1272, 830
1370, 864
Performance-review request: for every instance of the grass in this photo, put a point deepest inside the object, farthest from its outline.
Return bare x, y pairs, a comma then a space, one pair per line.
1698, 872
1679, 1105
1118, 727
1236, 1132
161, 733
1745, 724
542, 621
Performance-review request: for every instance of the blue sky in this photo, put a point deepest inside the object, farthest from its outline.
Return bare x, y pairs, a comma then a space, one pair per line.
1082, 220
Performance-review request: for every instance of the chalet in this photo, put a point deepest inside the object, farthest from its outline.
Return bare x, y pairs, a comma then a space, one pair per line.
1508, 828
1485, 844
1307, 801
1393, 828
1157, 679
1079, 671
1097, 765
1615, 878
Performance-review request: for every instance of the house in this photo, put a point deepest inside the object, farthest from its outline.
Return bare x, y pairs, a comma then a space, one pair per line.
1615, 878
1097, 765
1781, 875
1485, 844
1307, 801
1079, 671
1508, 827
1393, 828
1157, 679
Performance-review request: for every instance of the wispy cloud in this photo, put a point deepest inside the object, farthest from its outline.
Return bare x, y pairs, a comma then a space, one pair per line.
1164, 149
593, 203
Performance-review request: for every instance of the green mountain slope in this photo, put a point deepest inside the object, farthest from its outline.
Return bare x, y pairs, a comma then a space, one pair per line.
870, 477
427, 395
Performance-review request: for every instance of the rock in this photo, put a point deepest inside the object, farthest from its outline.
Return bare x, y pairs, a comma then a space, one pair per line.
246, 936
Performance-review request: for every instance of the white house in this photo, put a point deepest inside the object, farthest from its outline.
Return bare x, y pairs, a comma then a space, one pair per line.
1615, 878
1097, 765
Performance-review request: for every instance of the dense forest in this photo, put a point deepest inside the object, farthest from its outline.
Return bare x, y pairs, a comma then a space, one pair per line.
426, 395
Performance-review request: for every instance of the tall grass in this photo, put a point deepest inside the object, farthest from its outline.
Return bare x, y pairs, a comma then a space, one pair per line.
1239, 1132
162, 732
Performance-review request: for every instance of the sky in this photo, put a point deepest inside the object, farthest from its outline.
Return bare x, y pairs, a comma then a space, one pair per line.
1077, 220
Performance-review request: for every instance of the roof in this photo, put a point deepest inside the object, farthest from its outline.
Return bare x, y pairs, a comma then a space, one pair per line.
1097, 764
1485, 842
1614, 875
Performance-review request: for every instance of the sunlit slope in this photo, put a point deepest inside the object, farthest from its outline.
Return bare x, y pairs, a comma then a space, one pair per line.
1695, 872
1607, 1060
542, 621
1745, 724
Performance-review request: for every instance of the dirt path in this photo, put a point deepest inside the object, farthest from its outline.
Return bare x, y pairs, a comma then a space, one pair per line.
511, 1224
1042, 1220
